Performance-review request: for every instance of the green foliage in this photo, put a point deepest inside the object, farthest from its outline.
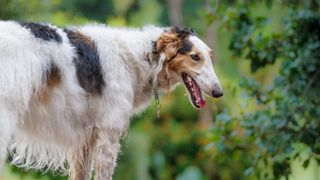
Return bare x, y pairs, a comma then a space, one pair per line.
251, 43
96, 10
7, 11
19, 9
287, 115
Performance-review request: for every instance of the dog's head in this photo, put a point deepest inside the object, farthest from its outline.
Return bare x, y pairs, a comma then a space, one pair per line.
187, 59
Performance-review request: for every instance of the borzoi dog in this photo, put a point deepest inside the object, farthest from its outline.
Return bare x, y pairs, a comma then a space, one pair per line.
67, 95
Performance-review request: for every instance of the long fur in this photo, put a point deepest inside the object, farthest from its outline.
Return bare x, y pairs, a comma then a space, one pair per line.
58, 86
46, 133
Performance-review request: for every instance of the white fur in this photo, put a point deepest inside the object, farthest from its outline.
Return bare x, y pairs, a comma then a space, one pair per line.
45, 136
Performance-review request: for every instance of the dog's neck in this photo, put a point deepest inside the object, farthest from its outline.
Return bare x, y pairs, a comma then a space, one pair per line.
147, 69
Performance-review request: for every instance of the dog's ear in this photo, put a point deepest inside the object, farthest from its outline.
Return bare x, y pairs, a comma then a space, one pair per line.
165, 40
171, 40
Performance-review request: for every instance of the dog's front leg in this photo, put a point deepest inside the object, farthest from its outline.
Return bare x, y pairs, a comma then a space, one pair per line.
107, 149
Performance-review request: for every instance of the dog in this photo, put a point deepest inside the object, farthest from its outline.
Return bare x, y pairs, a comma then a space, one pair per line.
67, 94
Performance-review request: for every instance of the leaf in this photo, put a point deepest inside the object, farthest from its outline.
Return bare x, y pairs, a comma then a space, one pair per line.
306, 163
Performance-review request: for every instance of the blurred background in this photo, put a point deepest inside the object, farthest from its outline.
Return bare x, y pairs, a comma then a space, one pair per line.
267, 56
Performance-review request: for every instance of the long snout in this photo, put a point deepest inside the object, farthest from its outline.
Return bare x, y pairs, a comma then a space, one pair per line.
209, 83
211, 86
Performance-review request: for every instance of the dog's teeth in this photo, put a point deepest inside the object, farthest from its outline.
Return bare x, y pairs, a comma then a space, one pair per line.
197, 101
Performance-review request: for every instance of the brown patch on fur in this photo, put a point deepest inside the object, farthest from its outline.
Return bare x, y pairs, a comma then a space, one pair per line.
81, 37
178, 51
53, 79
53, 75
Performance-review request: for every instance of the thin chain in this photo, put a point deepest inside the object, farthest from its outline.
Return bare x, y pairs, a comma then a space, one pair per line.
158, 105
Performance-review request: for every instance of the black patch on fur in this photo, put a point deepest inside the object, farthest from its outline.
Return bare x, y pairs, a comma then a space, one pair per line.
87, 62
42, 31
154, 47
187, 47
183, 32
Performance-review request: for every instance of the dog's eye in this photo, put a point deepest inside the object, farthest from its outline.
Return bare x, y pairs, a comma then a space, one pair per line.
195, 57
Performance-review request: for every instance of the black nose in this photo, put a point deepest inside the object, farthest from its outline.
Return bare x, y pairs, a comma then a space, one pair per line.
217, 94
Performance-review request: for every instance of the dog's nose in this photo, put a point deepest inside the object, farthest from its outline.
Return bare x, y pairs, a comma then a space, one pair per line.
217, 94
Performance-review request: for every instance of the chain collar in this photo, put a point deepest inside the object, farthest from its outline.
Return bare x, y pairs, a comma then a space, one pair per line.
155, 92
156, 98
158, 105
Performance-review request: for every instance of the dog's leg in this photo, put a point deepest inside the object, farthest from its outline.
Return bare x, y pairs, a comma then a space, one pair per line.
107, 148
81, 161
112, 125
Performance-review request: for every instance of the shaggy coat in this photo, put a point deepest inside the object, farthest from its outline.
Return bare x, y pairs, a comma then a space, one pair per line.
67, 95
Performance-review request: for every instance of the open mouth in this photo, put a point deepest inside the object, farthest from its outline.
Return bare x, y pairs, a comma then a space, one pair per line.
195, 94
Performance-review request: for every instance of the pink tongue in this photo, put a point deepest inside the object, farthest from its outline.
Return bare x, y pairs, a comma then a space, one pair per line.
202, 103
